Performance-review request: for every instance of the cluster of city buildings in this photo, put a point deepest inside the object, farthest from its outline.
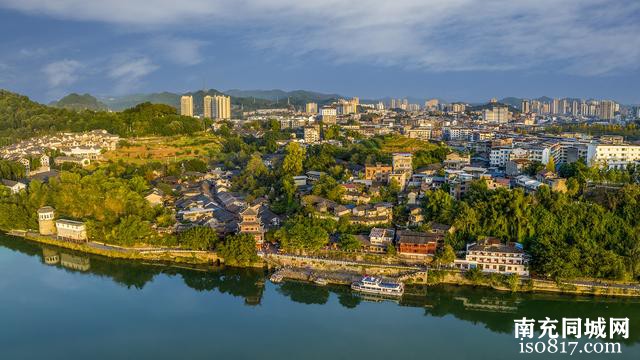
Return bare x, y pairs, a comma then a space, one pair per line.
602, 109
214, 107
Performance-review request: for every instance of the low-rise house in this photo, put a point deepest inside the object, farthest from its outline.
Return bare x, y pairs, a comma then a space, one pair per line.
416, 218
442, 229
552, 180
400, 177
372, 214
71, 230
457, 161
491, 255
13, 186
155, 197
378, 172
300, 180
195, 214
418, 244
354, 193
314, 176
92, 153
516, 167
72, 160
380, 238
528, 184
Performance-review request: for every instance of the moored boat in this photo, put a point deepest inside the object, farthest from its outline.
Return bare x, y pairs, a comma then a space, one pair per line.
276, 278
375, 285
320, 281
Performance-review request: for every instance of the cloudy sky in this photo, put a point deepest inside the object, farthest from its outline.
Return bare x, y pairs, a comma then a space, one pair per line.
452, 49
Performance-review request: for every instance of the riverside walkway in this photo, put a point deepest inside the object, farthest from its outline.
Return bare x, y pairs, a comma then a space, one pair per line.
342, 262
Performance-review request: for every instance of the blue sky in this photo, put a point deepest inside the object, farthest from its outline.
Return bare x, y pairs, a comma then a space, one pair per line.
468, 50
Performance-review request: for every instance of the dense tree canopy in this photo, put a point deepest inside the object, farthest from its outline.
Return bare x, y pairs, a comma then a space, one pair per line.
11, 170
565, 237
113, 208
238, 250
302, 234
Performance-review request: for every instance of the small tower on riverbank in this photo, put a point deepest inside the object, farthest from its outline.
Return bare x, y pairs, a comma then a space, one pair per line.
46, 221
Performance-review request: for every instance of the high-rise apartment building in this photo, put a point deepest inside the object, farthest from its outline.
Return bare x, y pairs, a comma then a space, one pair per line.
208, 106
186, 105
575, 108
328, 114
346, 107
524, 107
311, 108
555, 107
564, 106
221, 107
457, 108
498, 114
536, 106
431, 104
607, 110
546, 108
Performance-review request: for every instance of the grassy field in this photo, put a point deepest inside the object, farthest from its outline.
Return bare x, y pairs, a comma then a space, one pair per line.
140, 150
396, 143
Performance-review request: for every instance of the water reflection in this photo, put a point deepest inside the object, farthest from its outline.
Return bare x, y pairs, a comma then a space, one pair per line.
54, 257
494, 310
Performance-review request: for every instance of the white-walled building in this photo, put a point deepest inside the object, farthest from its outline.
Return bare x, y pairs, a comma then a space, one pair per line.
613, 156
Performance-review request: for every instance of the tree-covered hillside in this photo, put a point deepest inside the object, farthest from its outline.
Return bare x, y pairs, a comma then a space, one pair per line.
22, 118
79, 102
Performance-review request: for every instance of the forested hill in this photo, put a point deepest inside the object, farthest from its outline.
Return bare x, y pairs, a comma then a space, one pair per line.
22, 118
79, 102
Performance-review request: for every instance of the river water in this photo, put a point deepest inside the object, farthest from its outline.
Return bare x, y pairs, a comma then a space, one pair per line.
57, 304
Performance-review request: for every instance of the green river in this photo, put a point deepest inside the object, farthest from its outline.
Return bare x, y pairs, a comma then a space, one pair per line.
57, 304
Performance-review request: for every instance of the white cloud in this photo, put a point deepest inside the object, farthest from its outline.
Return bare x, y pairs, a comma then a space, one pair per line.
573, 36
62, 73
182, 51
128, 72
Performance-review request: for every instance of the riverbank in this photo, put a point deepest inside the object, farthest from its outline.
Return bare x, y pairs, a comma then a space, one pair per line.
160, 255
343, 272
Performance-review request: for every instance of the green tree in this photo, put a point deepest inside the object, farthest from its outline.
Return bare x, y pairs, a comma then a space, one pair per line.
446, 255
199, 238
293, 160
551, 165
348, 242
238, 250
302, 234
391, 250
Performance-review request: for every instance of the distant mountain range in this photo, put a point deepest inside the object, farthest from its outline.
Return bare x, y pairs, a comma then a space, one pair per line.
119, 103
245, 99
298, 96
